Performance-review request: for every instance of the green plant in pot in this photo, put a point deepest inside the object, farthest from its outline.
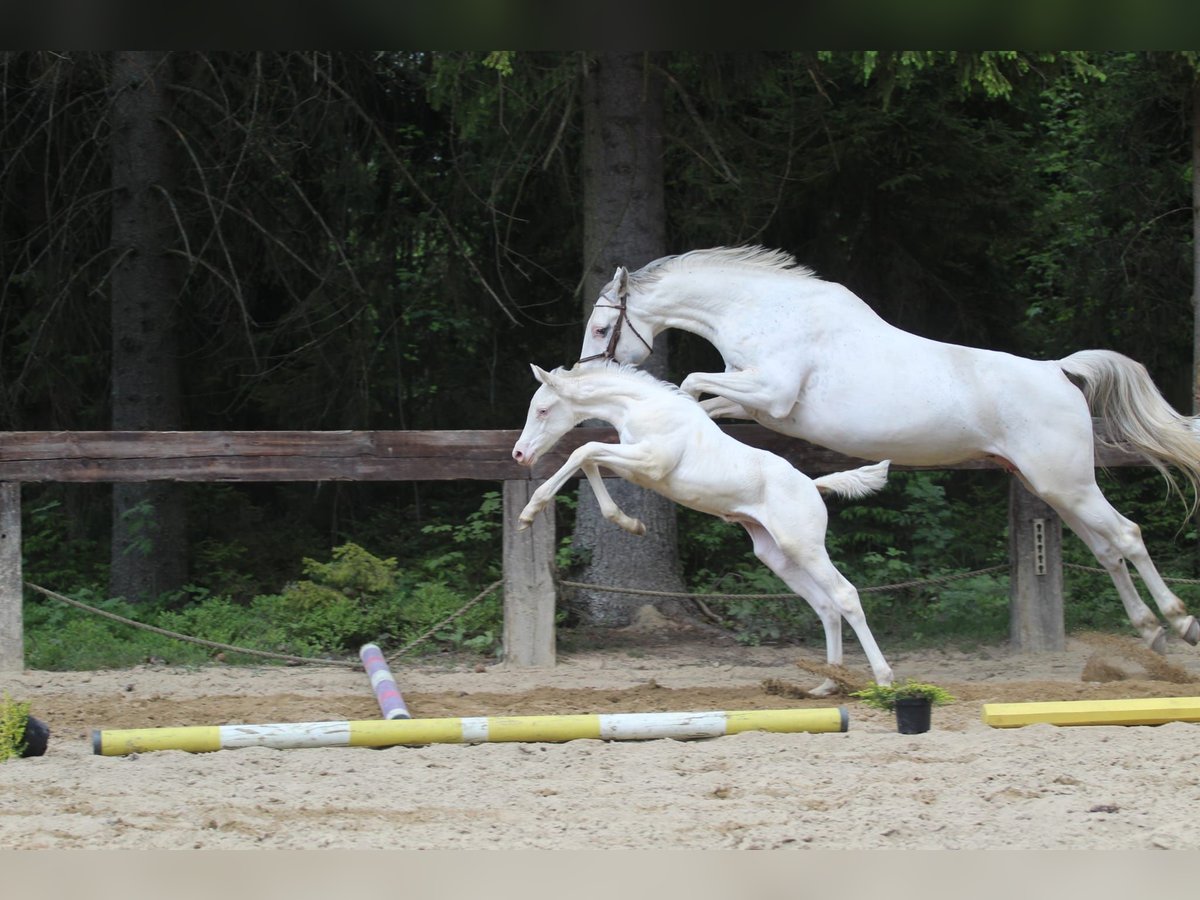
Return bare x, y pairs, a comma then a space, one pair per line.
911, 700
21, 734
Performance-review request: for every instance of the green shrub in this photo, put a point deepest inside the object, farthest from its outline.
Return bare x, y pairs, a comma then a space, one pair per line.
14, 715
885, 696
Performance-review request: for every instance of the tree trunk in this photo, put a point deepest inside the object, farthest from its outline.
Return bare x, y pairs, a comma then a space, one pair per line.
1196, 247
624, 224
149, 551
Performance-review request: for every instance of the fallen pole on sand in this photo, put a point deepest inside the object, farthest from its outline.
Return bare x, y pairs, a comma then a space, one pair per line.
534, 729
391, 704
1153, 711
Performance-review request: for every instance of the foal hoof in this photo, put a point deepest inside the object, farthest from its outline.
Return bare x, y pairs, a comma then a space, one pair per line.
1191, 633
826, 688
1159, 642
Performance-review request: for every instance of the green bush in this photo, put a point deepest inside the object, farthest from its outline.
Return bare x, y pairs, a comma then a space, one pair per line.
14, 715
344, 602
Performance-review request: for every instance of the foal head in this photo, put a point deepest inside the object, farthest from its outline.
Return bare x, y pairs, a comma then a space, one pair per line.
551, 415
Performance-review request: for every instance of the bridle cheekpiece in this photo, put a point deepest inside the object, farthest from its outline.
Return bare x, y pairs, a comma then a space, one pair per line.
610, 351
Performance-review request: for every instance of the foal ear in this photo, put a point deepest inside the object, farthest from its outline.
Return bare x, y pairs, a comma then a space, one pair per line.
550, 379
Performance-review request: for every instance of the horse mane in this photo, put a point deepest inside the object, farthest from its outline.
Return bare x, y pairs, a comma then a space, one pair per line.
612, 367
749, 257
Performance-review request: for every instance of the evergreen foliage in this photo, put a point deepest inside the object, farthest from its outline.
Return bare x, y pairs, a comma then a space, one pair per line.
386, 240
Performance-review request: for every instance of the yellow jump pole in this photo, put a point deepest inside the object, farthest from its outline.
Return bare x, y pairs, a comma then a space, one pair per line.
534, 729
1154, 711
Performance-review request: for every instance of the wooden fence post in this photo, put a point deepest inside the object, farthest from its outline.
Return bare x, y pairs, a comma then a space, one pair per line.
1036, 574
529, 592
12, 635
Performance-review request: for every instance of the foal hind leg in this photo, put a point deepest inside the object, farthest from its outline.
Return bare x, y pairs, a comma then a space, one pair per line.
773, 558
812, 573
808, 571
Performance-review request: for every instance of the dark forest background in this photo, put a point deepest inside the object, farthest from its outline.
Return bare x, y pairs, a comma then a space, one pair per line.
385, 240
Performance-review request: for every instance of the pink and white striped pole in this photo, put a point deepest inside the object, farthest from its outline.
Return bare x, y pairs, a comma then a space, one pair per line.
391, 704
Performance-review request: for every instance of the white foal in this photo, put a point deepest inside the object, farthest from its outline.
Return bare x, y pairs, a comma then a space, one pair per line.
669, 445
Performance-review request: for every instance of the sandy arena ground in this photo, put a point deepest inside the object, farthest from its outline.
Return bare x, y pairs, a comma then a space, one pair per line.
962, 785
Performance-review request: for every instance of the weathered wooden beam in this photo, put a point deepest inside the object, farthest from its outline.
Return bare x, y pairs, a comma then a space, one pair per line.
12, 585
248, 456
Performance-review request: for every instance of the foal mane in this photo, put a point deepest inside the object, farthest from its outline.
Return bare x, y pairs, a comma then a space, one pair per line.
622, 370
750, 257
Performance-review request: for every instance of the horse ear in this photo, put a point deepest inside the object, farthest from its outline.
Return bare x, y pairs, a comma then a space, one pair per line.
622, 277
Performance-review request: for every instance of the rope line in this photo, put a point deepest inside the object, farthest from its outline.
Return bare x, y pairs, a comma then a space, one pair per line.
1097, 570
267, 654
446, 621
184, 637
940, 579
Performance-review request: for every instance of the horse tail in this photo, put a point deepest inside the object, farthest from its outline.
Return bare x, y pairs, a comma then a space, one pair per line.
856, 482
1120, 392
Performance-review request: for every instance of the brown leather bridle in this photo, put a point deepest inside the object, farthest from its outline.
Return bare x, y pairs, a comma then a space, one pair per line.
610, 352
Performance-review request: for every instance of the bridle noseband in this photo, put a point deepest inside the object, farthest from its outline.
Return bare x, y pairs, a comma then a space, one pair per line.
610, 352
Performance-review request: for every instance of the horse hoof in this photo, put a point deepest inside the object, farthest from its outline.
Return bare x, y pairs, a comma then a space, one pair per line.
1159, 642
1191, 632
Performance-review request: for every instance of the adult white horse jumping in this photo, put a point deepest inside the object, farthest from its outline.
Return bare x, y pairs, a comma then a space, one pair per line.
808, 358
669, 445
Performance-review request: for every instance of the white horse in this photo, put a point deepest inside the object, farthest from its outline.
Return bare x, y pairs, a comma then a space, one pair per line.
808, 358
669, 445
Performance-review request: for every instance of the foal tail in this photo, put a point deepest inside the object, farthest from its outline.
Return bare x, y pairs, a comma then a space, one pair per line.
1120, 392
855, 483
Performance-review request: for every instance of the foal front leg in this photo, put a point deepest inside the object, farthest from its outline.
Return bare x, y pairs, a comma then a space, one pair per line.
608, 506
621, 458
748, 389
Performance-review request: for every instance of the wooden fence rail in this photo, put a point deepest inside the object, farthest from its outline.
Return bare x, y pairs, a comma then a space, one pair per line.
529, 594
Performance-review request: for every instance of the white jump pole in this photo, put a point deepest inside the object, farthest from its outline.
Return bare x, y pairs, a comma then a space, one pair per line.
549, 729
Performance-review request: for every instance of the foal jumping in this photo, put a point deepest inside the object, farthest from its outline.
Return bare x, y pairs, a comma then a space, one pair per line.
669, 445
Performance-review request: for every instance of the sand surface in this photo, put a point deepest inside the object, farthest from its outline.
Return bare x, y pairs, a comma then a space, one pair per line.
962, 785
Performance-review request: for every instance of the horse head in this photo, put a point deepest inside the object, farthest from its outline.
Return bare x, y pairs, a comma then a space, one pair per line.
614, 332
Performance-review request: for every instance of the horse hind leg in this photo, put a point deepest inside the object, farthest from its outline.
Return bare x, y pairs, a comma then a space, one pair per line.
1113, 540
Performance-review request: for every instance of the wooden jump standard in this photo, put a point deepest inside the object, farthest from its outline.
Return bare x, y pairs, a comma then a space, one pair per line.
529, 595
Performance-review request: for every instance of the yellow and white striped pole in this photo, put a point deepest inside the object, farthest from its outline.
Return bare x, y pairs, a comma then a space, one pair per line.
1149, 711
476, 730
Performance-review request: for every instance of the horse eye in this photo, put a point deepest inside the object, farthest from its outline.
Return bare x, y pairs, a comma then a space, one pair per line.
541, 413
601, 332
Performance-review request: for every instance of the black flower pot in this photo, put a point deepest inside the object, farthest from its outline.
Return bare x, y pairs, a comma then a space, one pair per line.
913, 714
37, 737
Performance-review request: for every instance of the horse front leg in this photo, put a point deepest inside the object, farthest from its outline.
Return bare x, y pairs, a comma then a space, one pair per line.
748, 389
721, 408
